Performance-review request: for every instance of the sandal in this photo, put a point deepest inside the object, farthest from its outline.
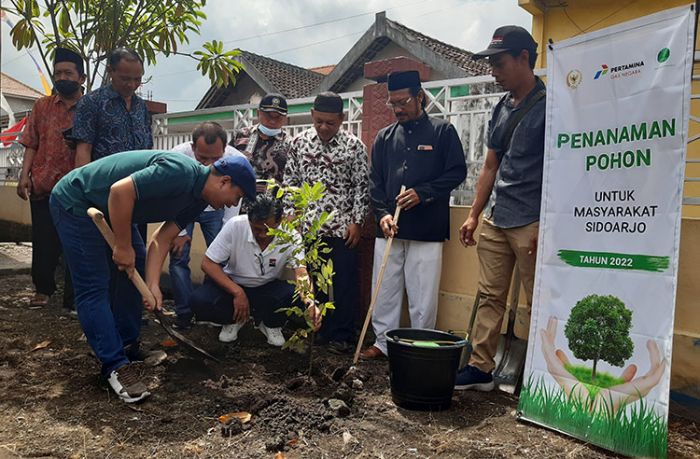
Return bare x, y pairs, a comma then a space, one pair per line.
39, 299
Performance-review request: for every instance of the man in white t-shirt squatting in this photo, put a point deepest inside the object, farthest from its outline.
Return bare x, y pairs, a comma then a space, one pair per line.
250, 280
207, 146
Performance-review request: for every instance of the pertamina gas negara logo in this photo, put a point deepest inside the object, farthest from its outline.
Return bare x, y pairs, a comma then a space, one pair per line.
601, 72
619, 71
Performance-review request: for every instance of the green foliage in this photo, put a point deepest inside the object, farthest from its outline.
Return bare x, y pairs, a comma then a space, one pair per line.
598, 328
602, 380
300, 231
635, 431
93, 28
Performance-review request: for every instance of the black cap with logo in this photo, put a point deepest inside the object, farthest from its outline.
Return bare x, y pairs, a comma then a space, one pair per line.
273, 103
508, 38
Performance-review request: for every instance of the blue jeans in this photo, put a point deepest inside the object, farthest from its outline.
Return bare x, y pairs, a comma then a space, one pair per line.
108, 305
180, 275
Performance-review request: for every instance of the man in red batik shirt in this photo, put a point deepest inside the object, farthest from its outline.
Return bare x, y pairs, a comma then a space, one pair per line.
47, 158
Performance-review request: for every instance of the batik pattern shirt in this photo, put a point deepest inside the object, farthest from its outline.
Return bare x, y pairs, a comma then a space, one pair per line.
341, 165
268, 157
103, 121
44, 133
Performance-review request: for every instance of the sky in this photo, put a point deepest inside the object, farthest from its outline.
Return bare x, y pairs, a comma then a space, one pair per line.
262, 27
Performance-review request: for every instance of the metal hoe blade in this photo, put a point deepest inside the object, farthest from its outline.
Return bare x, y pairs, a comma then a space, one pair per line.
180, 337
98, 218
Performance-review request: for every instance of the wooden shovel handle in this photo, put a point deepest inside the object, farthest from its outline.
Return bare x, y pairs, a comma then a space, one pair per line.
99, 219
380, 277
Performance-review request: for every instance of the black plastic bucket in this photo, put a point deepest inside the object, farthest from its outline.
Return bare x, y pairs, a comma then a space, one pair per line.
423, 378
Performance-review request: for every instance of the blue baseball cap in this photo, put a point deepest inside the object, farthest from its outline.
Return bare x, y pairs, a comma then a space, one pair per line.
240, 171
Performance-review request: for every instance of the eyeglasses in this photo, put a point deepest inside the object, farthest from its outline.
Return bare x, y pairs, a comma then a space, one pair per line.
399, 104
261, 260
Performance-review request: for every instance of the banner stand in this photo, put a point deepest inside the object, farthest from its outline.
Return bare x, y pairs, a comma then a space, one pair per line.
599, 354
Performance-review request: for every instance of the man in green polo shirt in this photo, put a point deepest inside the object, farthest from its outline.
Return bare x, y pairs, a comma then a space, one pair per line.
132, 188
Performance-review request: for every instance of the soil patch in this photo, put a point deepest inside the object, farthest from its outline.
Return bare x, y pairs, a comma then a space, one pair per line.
53, 404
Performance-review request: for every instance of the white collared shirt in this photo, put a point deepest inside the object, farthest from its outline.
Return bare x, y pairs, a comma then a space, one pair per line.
246, 264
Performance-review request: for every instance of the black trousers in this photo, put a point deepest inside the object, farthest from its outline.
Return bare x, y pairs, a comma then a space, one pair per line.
339, 324
46, 253
210, 303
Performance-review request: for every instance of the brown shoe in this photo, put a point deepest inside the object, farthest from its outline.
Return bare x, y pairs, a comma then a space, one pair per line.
372, 353
127, 384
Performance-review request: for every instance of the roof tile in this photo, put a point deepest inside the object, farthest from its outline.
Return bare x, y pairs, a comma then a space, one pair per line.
460, 57
14, 87
290, 80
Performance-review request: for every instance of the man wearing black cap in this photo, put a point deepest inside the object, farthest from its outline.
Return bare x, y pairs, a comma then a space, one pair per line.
425, 155
509, 189
328, 154
266, 145
47, 158
132, 187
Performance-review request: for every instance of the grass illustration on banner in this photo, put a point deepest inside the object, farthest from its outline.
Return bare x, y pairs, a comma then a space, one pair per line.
596, 406
636, 431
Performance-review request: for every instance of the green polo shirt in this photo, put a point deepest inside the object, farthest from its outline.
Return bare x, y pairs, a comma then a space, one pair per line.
168, 186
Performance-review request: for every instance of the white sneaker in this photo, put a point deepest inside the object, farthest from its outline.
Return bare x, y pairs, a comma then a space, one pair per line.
274, 335
229, 333
126, 383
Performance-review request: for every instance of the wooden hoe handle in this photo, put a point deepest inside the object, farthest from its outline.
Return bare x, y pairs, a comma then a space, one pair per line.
99, 219
380, 277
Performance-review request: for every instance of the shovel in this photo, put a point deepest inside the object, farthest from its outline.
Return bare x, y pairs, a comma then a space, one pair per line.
99, 219
510, 357
380, 277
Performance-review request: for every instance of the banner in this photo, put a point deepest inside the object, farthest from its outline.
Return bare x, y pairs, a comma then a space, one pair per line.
599, 354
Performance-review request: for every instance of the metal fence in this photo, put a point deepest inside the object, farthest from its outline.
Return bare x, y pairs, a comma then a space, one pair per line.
466, 103
10, 162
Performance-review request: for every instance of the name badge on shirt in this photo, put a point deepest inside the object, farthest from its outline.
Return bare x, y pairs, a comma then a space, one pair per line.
425, 148
273, 262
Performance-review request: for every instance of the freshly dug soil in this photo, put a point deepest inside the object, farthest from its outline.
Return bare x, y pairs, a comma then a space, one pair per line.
53, 404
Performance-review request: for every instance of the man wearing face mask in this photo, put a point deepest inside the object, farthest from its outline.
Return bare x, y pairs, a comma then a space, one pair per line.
328, 154
425, 155
265, 145
207, 146
47, 158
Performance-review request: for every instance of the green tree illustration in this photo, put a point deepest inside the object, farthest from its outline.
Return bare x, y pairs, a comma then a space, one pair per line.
598, 329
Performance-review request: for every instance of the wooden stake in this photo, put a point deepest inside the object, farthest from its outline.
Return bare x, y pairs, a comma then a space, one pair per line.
380, 277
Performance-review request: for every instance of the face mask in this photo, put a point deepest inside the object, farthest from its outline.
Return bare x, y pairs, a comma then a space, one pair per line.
267, 131
66, 87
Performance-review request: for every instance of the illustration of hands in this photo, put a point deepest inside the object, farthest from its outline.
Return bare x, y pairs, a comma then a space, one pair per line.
615, 397
634, 389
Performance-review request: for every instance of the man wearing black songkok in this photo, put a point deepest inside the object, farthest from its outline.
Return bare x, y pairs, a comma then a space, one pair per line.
47, 158
425, 155
328, 154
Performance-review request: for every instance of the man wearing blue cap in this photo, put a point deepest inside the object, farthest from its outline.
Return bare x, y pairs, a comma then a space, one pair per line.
208, 145
131, 188
425, 155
